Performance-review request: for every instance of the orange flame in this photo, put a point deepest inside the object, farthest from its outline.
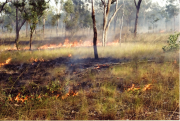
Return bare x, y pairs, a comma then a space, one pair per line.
70, 93
7, 62
69, 55
67, 43
133, 88
146, 87
75, 44
20, 99
36, 60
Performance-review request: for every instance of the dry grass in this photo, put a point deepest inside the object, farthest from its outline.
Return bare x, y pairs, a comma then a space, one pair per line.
107, 98
107, 101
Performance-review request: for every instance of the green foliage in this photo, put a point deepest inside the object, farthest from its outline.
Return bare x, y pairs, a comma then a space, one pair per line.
172, 43
37, 9
55, 18
68, 7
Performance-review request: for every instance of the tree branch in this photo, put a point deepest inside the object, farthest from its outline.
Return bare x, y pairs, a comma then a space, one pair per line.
108, 7
135, 3
103, 2
21, 24
117, 9
139, 3
2, 7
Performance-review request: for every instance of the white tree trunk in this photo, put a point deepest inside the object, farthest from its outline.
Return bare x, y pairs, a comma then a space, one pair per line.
106, 21
121, 24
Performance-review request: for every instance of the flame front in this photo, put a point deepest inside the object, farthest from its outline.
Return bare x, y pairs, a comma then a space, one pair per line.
146, 87
67, 43
36, 60
133, 88
7, 62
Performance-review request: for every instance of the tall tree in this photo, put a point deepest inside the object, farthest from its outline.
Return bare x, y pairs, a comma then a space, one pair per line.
137, 5
20, 7
95, 32
36, 10
106, 22
172, 9
3, 5
59, 6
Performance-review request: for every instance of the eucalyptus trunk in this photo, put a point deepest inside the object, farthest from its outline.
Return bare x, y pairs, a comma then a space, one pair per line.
136, 23
95, 32
30, 43
57, 27
137, 15
174, 24
44, 21
26, 29
106, 22
17, 30
121, 24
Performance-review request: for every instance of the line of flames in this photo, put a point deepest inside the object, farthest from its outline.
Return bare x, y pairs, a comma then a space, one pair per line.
19, 98
36, 60
66, 43
7, 62
75, 44
133, 88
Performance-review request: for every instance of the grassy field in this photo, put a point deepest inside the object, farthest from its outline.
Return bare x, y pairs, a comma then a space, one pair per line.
144, 86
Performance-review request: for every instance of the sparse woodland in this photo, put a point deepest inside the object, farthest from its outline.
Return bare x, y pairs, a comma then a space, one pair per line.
89, 60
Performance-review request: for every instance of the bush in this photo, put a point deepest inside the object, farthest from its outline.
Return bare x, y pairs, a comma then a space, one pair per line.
173, 45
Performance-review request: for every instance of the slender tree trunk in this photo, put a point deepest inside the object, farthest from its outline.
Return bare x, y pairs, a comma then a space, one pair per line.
115, 21
95, 32
121, 23
43, 26
166, 26
30, 40
104, 26
174, 24
57, 27
107, 22
136, 23
153, 27
26, 28
137, 15
17, 30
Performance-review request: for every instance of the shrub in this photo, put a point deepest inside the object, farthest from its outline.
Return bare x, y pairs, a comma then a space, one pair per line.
173, 45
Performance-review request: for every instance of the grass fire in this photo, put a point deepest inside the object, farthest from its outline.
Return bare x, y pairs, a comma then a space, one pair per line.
89, 60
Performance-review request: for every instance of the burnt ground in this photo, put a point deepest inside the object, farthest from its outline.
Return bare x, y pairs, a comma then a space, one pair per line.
15, 78
21, 74
18, 75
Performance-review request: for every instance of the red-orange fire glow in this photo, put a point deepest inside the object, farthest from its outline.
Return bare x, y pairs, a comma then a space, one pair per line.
146, 87
69, 55
133, 88
7, 62
76, 44
36, 60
